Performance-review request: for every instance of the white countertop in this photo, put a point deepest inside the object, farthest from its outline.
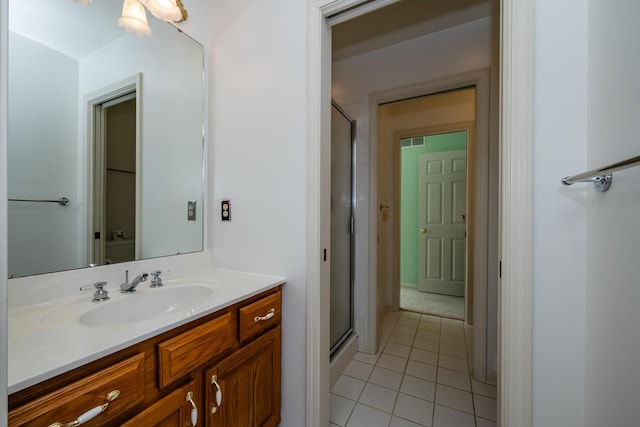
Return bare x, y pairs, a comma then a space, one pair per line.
48, 338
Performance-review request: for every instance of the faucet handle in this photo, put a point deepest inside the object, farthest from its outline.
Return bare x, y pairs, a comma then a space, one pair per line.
156, 281
100, 294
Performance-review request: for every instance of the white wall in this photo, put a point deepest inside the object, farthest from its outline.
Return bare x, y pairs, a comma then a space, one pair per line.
42, 95
257, 160
450, 52
612, 379
559, 214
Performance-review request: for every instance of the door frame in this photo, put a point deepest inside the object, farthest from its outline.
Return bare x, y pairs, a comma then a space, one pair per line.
469, 128
480, 80
93, 121
516, 198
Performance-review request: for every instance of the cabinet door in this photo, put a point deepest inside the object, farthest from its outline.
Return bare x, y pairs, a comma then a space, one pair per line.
174, 410
248, 383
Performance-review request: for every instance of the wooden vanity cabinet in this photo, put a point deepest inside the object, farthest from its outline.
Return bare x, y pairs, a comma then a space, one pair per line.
126, 380
173, 410
162, 379
244, 389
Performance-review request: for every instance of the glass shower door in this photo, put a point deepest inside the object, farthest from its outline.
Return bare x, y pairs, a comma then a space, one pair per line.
342, 228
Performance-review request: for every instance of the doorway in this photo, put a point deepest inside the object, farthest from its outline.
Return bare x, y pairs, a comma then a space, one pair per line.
433, 214
512, 81
115, 181
112, 190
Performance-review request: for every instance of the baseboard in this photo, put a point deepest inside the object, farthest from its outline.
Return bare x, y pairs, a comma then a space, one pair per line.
342, 359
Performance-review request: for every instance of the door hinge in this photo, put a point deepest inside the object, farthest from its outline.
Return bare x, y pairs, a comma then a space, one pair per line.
500, 269
352, 225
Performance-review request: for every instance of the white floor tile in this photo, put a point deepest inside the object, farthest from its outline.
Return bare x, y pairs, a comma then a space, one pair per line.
447, 417
378, 397
405, 330
429, 326
428, 335
485, 423
417, 387
424, 356
410, 315
394, 363
453, 363
453, 330
365, 416
454, 379
406, 321
414, 409
348, 387
386, 378
397, 387
340, 409
452, 339
358, 370
484, 389
454, 398
399, 422
401, 339
446, 321
431, 318
424, 344
421, 370
371, 359
396, 349
453, 350
486, 407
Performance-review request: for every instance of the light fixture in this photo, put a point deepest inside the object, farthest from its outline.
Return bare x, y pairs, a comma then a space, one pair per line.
134, 15
167, 10
134, 18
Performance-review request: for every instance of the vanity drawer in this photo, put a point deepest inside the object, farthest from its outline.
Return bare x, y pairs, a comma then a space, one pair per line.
67, 403
257, 317
185, 352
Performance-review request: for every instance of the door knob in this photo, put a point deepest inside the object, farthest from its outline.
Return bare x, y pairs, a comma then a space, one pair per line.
424, 230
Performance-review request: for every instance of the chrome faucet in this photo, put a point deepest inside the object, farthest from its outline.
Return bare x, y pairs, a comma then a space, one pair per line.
127, 287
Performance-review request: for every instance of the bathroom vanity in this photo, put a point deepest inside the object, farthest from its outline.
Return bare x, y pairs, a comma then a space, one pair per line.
212, 361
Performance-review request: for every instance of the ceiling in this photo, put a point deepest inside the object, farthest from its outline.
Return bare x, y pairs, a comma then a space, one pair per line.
69, 27
405, 20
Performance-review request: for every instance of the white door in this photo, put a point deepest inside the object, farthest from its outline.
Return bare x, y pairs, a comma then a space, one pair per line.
441, 214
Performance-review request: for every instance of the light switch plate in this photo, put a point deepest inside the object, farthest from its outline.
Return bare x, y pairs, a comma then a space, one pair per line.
191, 210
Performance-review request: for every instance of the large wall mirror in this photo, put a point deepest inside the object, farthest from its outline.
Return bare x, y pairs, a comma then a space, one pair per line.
110, 123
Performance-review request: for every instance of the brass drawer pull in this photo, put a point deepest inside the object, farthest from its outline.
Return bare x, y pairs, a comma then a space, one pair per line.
267, 316
194, 409
215, 406
91, 413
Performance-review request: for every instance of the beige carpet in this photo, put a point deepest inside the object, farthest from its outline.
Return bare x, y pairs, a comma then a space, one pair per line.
423, 302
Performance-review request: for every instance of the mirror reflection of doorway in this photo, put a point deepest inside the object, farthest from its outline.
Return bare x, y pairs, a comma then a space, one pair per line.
115, 181
433, 223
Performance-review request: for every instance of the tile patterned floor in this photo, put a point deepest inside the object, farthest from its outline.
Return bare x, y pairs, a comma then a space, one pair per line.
420, 378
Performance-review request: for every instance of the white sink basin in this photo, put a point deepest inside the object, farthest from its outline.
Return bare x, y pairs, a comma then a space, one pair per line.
147, 305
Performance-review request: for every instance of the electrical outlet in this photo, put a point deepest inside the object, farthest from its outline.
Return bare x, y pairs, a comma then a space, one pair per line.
225, 210
191, 210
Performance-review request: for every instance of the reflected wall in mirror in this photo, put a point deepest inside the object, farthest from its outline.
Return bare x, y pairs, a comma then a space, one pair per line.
67, 64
